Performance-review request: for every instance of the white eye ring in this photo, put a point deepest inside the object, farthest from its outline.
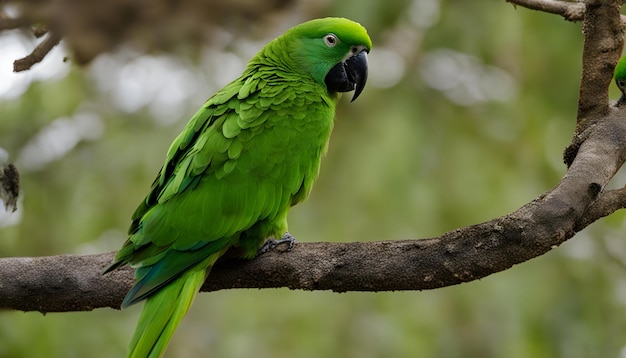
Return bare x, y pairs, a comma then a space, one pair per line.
331, 40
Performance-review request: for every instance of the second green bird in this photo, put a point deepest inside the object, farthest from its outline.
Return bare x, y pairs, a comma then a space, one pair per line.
620, 79
229, 178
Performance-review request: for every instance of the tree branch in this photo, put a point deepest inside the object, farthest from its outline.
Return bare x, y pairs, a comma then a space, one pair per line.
603, 30
571, 11
76, 283
38, 53
7, 23
92, 28
607, 203
602, 49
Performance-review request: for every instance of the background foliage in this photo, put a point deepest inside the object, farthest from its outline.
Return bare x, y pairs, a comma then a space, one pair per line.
465, 116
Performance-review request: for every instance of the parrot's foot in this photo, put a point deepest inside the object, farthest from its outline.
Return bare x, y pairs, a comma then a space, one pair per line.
271, 244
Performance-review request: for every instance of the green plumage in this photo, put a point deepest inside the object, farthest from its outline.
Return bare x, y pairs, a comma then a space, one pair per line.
250, 153
619, 74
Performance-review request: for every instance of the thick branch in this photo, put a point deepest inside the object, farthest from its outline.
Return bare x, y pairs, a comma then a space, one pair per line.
71, 283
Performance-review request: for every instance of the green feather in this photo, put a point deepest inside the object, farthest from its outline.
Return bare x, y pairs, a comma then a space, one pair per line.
164, 310
620, 79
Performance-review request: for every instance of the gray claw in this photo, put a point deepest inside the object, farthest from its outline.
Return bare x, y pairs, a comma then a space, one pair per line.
271, 244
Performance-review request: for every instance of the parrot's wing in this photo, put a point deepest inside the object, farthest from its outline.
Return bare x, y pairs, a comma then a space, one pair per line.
195, 208
180, 148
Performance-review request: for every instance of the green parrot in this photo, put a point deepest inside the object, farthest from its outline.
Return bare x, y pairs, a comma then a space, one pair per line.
620, 79
229, 178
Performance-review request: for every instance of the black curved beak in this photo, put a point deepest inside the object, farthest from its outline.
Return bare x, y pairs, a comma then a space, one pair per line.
349, 75
356, 67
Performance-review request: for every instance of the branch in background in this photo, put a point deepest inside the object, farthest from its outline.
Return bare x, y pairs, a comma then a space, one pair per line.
7, 23
601, 37
571, 11
40, 31
76, 283
38, 53
91, 28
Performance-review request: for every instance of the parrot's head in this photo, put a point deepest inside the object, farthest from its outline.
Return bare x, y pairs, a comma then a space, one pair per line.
333, 51
620, 79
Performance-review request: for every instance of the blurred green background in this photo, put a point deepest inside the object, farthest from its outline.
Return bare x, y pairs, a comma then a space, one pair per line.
468, 108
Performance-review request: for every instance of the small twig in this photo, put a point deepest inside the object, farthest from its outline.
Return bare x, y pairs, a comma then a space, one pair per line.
569, 10
40, 31
38, 53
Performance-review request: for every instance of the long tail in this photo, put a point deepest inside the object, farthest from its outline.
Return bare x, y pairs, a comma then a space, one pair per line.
163, 312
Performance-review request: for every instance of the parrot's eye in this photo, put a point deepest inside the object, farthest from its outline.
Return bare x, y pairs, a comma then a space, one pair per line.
331, 40
621, 83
